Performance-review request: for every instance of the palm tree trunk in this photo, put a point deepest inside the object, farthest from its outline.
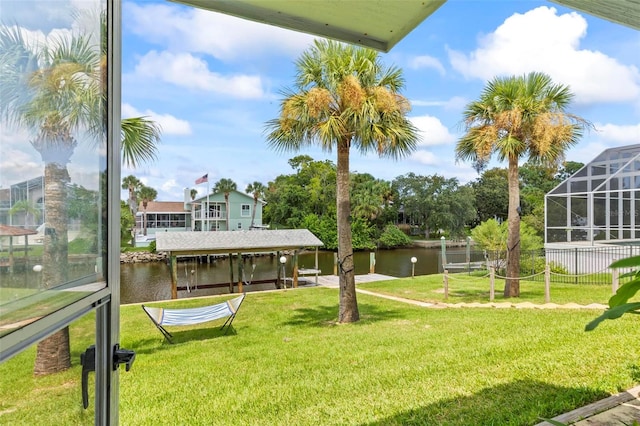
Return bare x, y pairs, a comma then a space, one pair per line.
348, 311
53, 353
512, 284
253, 212
226, 206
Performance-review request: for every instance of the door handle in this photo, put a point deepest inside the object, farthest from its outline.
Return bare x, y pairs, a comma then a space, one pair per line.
88, 362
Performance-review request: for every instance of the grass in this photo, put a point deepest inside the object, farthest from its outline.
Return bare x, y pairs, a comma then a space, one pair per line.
290, 363
466, 288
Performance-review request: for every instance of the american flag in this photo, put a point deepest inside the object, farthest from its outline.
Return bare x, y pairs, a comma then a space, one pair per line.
203, 179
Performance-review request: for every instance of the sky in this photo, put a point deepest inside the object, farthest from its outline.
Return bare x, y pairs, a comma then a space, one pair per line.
212, 81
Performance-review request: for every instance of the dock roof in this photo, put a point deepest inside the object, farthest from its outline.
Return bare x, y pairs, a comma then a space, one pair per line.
218, 242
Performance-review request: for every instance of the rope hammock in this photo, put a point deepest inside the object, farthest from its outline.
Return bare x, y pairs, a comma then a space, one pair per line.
162, 317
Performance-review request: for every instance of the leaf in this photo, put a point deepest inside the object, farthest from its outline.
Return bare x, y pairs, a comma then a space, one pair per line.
624, 293
627, 262
613, 313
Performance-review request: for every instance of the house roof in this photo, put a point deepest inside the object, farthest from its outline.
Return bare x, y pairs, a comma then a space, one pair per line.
204, 197
218, 242
381, 24
163, 207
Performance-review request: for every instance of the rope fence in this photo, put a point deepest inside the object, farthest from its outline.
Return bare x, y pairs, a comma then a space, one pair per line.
547, 273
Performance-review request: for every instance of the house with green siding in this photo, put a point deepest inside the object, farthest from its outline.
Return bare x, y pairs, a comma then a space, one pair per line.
209, 213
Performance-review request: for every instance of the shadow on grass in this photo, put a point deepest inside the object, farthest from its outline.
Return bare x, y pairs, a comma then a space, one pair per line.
522, 402
153, 344
326, 316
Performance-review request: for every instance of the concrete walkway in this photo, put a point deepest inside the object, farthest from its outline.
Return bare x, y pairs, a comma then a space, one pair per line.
332, 281
616, 410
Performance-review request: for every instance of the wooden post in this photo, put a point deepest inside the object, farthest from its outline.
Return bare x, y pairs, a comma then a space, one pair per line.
174, 276
446, 284
615, 280
316, 265
372, 262
335, 263
278, 271
240, 275
492, 282
230, 272
295, 269
547, 283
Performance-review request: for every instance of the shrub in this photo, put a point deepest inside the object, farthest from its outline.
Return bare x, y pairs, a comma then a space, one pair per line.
393, 236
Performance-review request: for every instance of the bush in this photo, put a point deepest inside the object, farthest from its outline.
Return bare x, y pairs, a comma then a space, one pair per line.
393, 236
152, 247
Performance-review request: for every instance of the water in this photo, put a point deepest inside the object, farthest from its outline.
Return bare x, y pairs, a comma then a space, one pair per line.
144, 282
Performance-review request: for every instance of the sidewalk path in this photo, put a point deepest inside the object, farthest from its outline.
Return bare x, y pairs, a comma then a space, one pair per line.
332, 281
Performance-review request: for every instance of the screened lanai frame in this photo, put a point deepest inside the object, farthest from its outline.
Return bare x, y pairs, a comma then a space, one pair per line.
599, 204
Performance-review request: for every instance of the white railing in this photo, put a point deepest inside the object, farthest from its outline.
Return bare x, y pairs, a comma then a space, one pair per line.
213, 216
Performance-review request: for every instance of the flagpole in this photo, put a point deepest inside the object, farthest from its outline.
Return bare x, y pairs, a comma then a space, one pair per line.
207, 224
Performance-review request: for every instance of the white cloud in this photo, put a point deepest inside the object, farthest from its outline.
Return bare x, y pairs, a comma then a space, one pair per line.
223, 36
542, 40
627, 134
455, 103
425, 157
185, 70
432, 131
426, 61
168, 123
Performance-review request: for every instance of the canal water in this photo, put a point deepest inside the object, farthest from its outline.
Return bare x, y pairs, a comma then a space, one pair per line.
144, 282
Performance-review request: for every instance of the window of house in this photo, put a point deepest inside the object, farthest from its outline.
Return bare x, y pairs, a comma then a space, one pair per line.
246, 210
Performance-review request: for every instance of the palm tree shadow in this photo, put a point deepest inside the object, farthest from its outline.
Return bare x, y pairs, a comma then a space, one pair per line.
518, 402
324, 316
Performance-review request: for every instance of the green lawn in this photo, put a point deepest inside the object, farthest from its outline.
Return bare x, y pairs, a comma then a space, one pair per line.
465, 288
289, 363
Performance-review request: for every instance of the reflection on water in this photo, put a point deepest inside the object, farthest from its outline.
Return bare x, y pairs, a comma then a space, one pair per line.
144, 282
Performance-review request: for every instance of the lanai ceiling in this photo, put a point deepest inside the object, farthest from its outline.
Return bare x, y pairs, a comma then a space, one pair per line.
379, 24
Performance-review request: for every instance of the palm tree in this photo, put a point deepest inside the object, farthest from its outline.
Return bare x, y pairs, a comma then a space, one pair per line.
26, 207
133, 184
257, 189
517, 117
55, 90
147, 194
225, 186
344, 97
193, 193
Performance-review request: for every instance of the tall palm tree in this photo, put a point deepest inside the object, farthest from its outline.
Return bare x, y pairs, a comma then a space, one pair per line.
133, 185
257, 189
52, 91
516, 117
55, 90
147, 194
225, 186
193, 193
343, 97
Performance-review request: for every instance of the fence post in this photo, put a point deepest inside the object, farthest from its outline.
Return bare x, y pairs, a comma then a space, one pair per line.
492, 280
335, 263
445, 280
547, 283
576, 266
469, 255
372, 262
615, 280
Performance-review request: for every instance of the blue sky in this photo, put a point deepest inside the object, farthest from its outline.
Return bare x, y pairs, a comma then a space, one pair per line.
212, 81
